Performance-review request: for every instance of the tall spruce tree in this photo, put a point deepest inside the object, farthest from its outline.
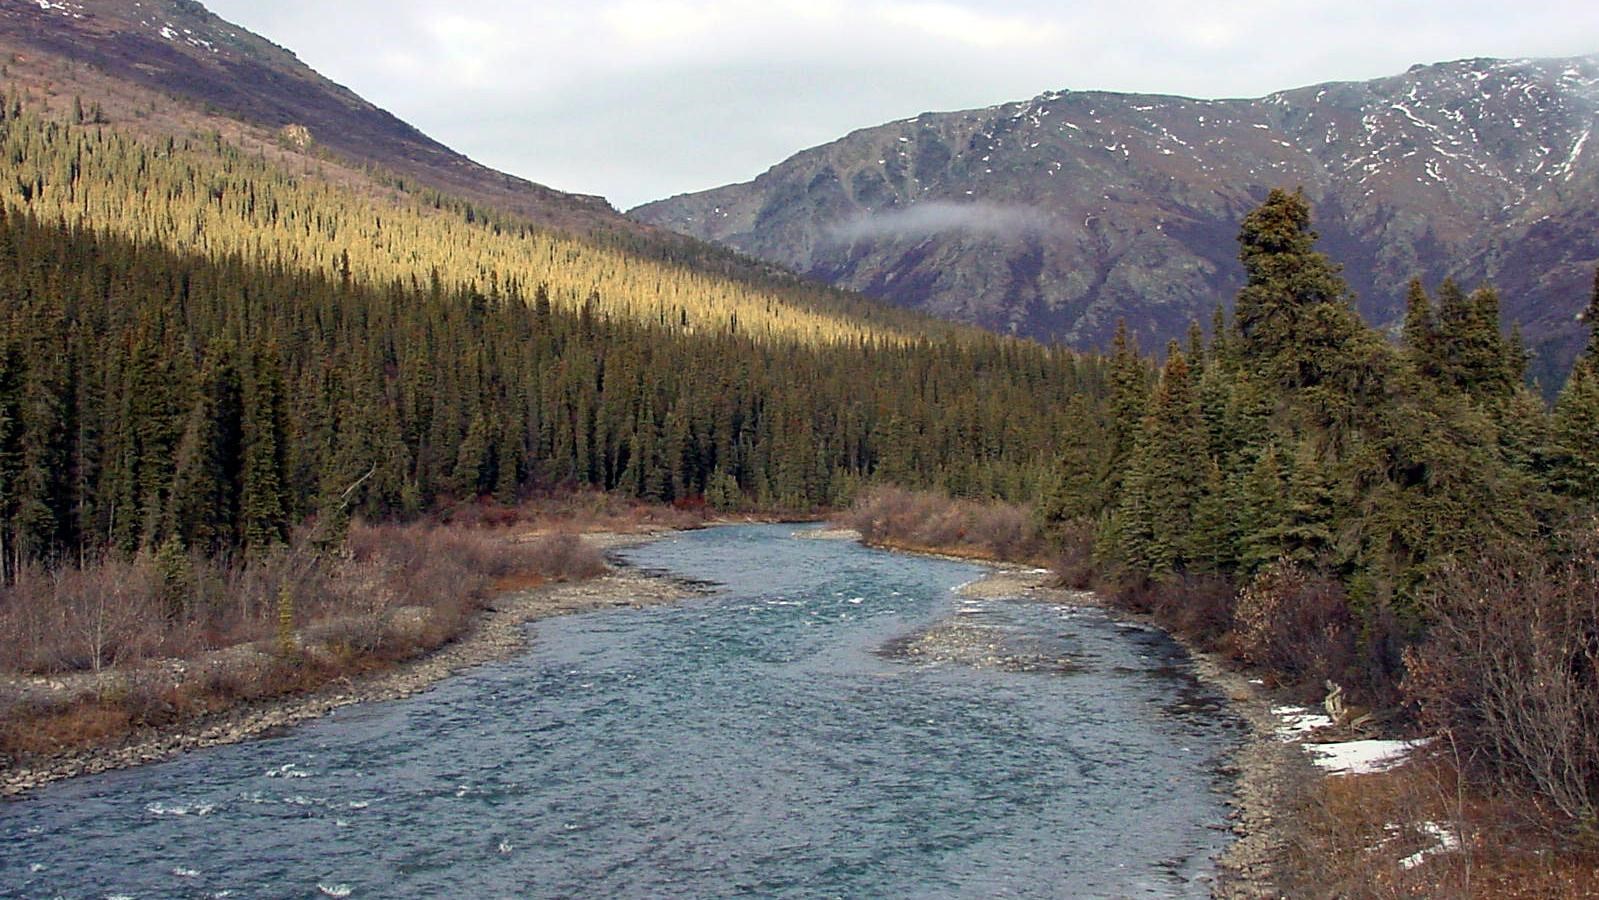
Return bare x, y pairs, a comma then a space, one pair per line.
264, 502
1292, 315
207, 476
1171, 464
1421, 331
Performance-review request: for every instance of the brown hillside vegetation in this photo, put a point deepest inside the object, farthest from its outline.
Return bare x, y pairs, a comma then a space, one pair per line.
925, 521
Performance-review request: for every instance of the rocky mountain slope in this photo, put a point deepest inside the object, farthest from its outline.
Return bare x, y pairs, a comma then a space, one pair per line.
180, 50
1055, 216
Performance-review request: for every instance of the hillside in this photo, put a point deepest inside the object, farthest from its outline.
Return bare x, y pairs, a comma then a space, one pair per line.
1056, 216
362, 195
180, 49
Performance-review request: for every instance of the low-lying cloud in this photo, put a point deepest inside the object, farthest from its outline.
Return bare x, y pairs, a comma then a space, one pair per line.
941, 217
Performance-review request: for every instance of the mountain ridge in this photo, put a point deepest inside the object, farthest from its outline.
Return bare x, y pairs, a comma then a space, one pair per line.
182, 49
1056, 216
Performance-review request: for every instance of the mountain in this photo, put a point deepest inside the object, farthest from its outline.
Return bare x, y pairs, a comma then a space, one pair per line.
179, 49
158, 121
1056, 216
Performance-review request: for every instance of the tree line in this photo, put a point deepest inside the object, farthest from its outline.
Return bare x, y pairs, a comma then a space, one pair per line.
150, 397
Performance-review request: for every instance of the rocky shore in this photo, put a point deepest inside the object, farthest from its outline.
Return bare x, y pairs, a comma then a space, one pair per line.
495, 634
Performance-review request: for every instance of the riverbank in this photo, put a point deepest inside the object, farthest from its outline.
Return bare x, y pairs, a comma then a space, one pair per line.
494, 632
1269, 772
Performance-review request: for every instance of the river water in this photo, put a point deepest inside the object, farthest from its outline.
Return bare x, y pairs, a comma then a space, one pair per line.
771, 738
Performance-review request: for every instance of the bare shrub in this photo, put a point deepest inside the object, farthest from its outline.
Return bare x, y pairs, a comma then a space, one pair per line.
1074, 560
351, 636
563, 557
1197, 606
88, 618
395, 591
239, 673
1510, 669
1297, 624
924, 520
579, 510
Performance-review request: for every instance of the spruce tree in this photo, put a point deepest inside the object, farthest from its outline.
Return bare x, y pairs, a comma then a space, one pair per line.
264, 501
1590, 315
1421, 331
11, 430
1171, 468
1292, 312
1576, 422
1261, 508
207, 475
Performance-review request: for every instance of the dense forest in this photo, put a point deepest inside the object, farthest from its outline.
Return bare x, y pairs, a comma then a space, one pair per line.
147, 396
1298, 436
1410, 524
200, 194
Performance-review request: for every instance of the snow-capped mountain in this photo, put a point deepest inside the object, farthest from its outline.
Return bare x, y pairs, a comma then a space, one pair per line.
1058, 215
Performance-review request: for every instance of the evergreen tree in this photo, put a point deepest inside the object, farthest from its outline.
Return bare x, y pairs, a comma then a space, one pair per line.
264, 502
1261, 505
1303, 531
1421, 331
1576, 422
11, 430
1170, 471
1472, 354
208, 475
1292, 314
1590, 315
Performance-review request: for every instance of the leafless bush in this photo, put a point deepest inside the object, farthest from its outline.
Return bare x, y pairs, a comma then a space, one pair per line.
1200, 607
1297, 624
1510, 669
80, 618
932, 521
581, 510
351, 636
1074, 560
397, 591
563, 557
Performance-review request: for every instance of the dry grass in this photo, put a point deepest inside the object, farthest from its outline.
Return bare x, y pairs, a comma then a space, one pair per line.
918, 520
125, 644
1360, 836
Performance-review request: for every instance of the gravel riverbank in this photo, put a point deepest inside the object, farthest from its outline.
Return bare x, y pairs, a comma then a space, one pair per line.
495, 634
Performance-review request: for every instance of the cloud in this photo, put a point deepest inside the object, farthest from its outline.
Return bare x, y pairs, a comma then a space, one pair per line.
640, 99
977, 28
936, 217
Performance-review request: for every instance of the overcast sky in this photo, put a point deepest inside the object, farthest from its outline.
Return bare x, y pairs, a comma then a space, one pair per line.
639, 99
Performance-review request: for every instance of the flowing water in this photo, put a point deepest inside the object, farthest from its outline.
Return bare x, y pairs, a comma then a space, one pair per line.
775, 737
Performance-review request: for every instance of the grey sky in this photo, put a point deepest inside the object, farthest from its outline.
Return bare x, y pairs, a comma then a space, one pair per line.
641, 99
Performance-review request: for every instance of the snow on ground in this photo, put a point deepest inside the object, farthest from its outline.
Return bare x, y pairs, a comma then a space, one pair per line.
1447, 840
1342, 758
1298, 721
1360, 757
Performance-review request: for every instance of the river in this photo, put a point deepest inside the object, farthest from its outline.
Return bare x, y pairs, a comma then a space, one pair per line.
771, 738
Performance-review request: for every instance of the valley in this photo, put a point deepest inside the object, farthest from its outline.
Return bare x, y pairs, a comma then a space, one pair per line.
1275, 407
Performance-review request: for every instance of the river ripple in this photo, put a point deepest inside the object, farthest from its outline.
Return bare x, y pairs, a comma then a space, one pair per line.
769, 739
